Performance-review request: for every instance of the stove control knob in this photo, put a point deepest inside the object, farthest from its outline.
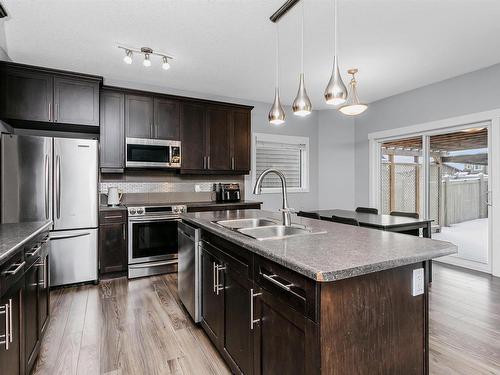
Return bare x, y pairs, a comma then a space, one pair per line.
140, 211
132, 211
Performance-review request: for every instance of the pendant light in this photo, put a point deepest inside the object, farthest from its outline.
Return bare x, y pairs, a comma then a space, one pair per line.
302, 104
277, 114
335, 92
353, 107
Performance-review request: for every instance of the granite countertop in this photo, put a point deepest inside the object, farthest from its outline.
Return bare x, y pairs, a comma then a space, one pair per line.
13, 236
342, 252
195, 204
120, 207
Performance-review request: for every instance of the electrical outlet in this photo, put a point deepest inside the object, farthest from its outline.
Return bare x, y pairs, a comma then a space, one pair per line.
418, 282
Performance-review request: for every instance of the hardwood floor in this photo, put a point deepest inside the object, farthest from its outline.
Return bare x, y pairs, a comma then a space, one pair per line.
139, 327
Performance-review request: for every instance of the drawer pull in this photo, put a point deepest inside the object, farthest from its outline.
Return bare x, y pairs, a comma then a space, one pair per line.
272, 279
34, 251
113, 217
16, 270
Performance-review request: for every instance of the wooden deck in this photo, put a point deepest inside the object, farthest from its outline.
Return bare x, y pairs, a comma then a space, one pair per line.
140, 327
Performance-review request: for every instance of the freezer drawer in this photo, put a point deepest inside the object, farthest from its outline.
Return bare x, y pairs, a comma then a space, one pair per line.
73, 256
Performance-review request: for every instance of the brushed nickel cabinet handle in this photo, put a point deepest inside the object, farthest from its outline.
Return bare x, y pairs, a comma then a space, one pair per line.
272, 279
56, 114
213, 276
50, 111
5, 339
219, 287
34, 250
16, 270
124, 232
252, 320
113, 217
232, 163
208, 162
10, 321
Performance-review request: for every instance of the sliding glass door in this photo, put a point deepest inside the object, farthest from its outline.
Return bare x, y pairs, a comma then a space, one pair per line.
443, 176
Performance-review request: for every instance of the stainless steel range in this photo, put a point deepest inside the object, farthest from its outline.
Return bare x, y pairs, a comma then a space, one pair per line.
152, 241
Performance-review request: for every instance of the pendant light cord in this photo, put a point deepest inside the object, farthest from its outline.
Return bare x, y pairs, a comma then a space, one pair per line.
277, 55
302, 40
335, 29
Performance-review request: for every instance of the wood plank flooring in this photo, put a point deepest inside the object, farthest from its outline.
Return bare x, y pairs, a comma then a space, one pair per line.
125, 327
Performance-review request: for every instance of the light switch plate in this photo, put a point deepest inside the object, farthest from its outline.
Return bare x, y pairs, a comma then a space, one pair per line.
418, 282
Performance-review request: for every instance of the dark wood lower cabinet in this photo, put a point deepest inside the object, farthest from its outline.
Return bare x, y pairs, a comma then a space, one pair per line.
113, 242
10, 311
267, 319
44, 293
30, 309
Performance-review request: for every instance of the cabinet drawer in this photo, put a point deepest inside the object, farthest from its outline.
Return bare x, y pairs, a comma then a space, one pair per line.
11, 271
114, 216
35, 249
294, 289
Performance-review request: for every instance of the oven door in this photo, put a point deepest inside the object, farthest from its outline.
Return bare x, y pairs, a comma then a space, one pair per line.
152, 239
151, 153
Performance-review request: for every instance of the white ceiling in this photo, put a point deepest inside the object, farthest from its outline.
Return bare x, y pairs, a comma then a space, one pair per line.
226, 47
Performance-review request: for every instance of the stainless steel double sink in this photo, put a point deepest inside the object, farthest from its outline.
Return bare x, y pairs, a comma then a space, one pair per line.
265, 229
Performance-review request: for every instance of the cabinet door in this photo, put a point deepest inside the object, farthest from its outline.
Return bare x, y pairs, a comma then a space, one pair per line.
112, 247
238, 337
166, 119
76, 101
139, 116
219, 140
212, 302
284, 339
193, 136
241, 139
26, 95
44, 296
30, 308
10, 359
112, 130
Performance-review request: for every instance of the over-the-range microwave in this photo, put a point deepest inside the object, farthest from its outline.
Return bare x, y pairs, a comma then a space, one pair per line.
152, 153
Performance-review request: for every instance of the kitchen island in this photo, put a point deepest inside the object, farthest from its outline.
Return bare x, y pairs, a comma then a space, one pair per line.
335, 300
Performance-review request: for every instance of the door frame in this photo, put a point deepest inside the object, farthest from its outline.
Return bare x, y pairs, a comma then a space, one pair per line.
438, 127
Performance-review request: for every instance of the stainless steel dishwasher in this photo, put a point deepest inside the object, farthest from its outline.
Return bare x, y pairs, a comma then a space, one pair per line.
189, 269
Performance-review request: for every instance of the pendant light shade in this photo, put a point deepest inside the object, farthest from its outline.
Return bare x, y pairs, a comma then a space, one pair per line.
302, 104
335, 92
353, 106
277, 114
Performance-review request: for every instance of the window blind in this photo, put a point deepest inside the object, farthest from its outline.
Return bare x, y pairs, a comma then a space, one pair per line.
285, 157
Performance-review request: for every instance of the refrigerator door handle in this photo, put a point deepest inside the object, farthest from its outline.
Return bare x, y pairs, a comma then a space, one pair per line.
58, 186
47, 186
52, 238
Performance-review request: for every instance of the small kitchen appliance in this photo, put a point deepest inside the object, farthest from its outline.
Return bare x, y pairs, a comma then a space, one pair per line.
227, 192
114, 196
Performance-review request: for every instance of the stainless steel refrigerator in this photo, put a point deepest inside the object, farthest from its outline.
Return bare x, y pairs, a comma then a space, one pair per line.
55, 178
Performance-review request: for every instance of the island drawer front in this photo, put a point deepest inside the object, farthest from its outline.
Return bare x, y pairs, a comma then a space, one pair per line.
11, 271
114, 216
294, 289
240, 259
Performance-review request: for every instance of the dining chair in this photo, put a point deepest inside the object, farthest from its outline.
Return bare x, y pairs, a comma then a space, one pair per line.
367, 210
344, 220
405, 214
310, 215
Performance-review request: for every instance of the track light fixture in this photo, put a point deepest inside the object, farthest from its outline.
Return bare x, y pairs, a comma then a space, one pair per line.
147, 53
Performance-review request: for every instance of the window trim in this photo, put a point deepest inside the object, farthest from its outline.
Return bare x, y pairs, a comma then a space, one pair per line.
266, 137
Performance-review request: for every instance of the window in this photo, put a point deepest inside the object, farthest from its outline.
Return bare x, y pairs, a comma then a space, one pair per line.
285, 153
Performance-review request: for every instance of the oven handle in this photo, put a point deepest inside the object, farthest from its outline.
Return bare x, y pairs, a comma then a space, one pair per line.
153, 264
153, 218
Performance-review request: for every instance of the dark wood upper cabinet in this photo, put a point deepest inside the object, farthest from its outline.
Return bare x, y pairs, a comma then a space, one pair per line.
76, 101
26, 95
193, 136
139, 116
241, 140
112, 242
166, 119
218, 140
112, 131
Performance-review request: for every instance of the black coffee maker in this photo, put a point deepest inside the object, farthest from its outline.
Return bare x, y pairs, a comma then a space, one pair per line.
227, 192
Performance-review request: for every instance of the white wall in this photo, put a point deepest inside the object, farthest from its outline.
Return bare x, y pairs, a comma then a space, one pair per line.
336, 160
3, 42
469, 93
305, 127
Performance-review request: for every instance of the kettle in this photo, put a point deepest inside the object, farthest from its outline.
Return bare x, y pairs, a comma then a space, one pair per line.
114, 196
